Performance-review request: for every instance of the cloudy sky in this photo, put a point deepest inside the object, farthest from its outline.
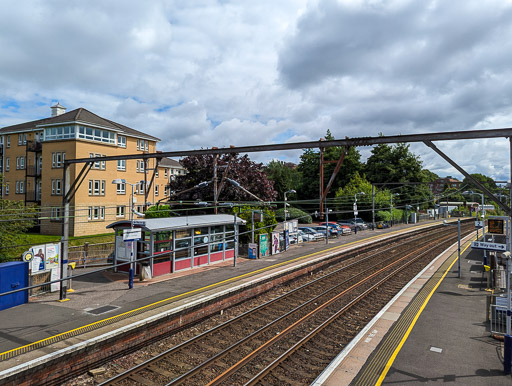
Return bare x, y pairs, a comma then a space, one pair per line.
219, 73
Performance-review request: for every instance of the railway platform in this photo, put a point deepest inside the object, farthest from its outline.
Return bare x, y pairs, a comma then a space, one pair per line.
102, 308
434, 331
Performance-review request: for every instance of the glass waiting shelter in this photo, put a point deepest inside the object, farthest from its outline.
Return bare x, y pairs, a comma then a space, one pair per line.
176, 243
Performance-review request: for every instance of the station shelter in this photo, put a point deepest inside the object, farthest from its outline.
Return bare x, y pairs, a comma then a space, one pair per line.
175, 243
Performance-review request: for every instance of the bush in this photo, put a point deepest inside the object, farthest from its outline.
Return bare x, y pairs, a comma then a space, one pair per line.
294, 213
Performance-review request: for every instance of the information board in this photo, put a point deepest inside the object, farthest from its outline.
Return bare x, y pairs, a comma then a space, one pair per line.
496, 226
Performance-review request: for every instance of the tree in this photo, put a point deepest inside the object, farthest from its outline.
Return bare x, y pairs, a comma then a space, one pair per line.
488, 182
15, 219
397, 163
248, 174
284, 176
260, 227
309, 167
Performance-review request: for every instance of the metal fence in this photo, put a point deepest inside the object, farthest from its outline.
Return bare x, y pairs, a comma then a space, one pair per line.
498, 319
90, 255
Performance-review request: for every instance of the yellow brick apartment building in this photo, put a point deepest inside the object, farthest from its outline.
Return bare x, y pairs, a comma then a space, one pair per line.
31, 161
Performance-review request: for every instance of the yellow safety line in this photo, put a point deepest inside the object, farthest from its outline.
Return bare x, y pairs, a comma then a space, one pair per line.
407, 333
194, 291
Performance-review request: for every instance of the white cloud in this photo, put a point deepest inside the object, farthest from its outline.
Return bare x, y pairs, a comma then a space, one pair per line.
203, 73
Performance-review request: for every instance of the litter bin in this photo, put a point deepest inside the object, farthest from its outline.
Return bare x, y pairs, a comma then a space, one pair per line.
145, 271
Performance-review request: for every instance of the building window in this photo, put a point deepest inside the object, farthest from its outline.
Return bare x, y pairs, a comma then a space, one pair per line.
98, 164
120, 211
96, 187
55, 214
157, 173
8, 141
20, 139
58, 159
121, 141
166, 173
166, 190
121, 164
17, 187
96, 213
6, 188
56, 187
59, 132
7, 164
20, 162
156, 190
121, 188
140, 166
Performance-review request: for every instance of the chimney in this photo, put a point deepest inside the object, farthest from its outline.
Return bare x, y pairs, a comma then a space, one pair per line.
57, 109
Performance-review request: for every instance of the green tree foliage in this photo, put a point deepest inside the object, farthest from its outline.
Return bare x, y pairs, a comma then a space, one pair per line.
309, 167
294, 213
159, 211
284, 176
391, 164
15, 219
488, 182
260, 227
249, 174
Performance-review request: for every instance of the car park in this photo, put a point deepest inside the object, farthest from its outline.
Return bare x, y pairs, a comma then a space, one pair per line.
359, 223
307, 236
340, 229
316, 235
326, 230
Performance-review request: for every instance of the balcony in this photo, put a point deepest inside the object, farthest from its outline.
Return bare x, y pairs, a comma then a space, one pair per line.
33, 171
34, 146
32, 196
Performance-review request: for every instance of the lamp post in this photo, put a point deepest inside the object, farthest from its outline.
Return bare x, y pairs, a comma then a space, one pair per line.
391, 206
470, 193
458, 250
118, 181
285, 212
355, 208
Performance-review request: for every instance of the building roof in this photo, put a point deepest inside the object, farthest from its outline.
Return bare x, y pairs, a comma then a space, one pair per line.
185, 222
77, 115
170, 163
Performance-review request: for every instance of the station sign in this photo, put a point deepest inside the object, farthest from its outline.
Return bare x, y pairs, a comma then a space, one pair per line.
489, 246
479, 224
496, 226
132, 234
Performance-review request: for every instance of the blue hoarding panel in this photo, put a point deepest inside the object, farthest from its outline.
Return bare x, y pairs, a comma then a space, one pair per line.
13, 275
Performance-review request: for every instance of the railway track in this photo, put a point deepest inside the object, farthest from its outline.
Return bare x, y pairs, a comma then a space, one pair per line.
290, 339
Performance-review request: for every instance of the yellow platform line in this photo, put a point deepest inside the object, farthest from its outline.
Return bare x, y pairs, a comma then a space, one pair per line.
89, 327
413, 323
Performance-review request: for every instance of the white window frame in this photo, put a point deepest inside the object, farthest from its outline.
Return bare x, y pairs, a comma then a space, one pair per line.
121, 165
121, 141
156, 190
121, 211
121, 188
57, 187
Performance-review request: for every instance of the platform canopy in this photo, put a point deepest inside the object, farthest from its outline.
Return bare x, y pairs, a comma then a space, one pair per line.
169, 223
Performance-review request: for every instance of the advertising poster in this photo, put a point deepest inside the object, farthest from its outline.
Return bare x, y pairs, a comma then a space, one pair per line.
52, 256
275, 243
253, 251
55, 275
263, 245
38, 262
286, 240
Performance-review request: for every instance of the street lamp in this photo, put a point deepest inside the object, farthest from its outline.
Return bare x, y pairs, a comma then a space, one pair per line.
470, 193
286, 212
391, 206
118, 181
458, 250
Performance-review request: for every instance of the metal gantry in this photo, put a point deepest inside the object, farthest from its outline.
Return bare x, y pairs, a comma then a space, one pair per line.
70, 189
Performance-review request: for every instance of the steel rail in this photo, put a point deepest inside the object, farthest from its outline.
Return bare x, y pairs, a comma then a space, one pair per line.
223, 376
182, 378
126, 374
333, 318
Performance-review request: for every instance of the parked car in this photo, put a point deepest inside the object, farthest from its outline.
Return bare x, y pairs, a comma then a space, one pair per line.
341, 229
322, 229
361, 225
306, 236
333, 229
310, 231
